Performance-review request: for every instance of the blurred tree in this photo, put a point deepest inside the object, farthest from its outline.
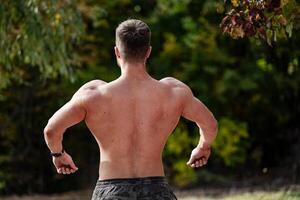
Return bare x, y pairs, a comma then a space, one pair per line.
37, 34
264, 19
36, 43
175, 157
231, 143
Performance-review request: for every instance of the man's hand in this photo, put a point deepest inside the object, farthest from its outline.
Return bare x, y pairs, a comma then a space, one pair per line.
64, 164
199, 157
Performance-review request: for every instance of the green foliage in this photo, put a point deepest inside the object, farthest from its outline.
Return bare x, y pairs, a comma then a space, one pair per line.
176, 155
231, 143
263, 65
37, 34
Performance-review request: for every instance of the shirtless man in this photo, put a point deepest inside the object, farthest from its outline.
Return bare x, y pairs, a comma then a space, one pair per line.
131, 119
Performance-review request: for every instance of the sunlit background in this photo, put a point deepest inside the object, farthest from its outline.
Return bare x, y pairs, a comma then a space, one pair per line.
50, 48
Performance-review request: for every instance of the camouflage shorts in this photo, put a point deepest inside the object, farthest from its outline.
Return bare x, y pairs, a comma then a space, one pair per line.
148, 188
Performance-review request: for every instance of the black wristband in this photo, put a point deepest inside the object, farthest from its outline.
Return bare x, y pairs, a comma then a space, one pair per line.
58, 154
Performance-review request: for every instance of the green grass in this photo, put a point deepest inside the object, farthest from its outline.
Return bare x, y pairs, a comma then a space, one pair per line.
265, 196
244, 194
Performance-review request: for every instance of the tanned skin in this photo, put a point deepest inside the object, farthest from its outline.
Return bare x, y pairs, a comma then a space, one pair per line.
131, 119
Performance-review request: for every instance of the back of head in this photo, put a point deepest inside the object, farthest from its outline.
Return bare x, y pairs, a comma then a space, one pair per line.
133, 40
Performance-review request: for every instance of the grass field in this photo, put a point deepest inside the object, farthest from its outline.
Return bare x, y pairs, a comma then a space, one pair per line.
241, 194
290, 193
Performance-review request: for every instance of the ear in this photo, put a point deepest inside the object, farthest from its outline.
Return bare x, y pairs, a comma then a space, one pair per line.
117, 52
149, 52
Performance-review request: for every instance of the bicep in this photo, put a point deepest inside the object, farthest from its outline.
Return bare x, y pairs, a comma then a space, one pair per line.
196, 111
68, 115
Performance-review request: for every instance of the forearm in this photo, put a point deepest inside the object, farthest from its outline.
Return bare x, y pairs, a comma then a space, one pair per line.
53, 139
68, 115
207, 134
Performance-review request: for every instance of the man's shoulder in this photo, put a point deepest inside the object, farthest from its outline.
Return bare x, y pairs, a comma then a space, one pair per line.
89, 88
92, 84
179, 86
173, 82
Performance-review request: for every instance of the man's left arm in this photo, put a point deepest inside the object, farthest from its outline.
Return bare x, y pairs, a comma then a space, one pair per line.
70, 114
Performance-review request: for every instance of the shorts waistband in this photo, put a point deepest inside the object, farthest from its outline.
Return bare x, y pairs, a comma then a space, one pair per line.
133, 181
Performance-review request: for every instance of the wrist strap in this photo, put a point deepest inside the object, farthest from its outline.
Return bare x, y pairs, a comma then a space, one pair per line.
58, 154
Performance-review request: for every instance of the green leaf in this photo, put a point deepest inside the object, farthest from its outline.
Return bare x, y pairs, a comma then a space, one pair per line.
289, 29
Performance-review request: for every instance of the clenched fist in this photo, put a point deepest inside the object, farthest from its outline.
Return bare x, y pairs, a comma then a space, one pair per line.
199, 157
64, 164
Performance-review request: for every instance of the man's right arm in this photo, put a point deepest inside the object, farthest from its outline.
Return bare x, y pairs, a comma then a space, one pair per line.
196, 111
193, 109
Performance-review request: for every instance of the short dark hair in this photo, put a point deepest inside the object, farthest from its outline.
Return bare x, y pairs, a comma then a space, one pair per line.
133, 38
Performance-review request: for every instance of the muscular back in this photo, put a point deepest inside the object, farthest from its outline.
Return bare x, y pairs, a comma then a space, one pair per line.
131, 121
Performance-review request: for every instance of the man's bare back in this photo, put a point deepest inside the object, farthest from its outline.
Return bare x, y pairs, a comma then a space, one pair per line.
131, 120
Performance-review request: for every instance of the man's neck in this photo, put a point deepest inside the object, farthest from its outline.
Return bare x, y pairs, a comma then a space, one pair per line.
134, 71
